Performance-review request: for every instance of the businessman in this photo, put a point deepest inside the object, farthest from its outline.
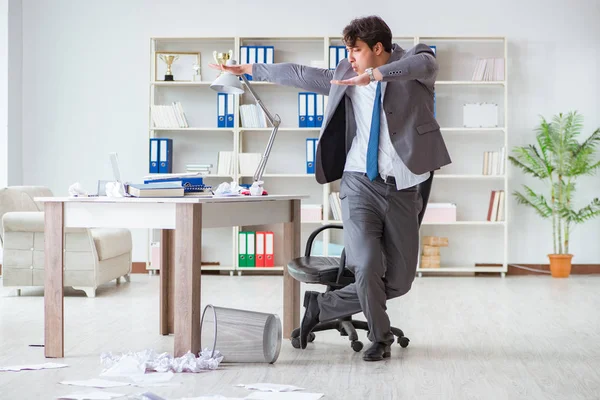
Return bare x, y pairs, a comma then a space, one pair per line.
380, 137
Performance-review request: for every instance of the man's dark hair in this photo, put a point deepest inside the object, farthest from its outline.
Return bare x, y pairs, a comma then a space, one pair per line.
370, 30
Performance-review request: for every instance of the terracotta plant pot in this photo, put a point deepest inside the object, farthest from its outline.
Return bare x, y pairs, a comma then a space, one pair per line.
560, 265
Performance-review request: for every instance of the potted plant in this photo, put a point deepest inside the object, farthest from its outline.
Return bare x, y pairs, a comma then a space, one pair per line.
558, 160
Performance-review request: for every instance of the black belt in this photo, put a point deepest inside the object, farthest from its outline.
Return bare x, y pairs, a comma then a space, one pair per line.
390, 180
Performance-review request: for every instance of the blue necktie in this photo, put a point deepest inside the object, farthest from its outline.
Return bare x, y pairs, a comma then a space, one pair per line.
373, 147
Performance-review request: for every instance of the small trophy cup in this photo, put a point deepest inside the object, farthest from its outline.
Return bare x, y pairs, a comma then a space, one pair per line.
196, 77
222, 58
169, 60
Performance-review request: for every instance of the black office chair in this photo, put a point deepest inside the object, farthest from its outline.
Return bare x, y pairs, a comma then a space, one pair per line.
332, 272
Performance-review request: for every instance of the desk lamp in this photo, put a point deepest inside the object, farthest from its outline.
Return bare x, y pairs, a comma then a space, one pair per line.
229, 83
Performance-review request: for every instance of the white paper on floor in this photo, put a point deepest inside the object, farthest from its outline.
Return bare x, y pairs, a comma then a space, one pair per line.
91, 396
32, 367
135, 364
154, 379
96, 383
215, 397
284, 396
126, 366
270, 387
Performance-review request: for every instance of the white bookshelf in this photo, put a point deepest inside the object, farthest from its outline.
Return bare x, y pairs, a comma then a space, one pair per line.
286, 171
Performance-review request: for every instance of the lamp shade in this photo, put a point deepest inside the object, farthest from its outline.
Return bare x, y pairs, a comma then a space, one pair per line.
227, 82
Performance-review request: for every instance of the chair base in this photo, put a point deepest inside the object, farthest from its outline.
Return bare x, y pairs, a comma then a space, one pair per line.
346, 327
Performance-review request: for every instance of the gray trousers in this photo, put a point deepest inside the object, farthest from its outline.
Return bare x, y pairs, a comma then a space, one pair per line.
381, 240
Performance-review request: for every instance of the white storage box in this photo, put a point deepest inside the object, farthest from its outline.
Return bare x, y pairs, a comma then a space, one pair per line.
480, 115
311, 213
440, 212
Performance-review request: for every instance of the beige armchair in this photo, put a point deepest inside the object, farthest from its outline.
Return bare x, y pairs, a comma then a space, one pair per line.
92, 256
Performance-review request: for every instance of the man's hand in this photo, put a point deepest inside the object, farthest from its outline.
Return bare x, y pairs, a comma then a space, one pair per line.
234, 69
359, 80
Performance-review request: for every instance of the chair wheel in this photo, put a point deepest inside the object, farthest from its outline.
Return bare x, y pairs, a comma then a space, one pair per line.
311, 337
296, 342
403, 341
356, 345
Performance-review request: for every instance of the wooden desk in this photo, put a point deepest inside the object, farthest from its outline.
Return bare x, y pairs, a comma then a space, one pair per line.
181, 220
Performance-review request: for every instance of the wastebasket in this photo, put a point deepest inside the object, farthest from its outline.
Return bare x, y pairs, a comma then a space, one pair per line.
241, 336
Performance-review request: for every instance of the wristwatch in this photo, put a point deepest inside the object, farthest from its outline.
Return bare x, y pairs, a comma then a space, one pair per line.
370, 72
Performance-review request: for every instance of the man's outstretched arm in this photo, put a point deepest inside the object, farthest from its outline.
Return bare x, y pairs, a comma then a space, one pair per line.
287, 74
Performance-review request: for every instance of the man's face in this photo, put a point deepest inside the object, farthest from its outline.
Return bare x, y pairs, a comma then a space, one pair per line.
361, 56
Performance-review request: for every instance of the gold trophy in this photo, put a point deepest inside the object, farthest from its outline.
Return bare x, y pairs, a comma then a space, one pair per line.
169, 60
222, 58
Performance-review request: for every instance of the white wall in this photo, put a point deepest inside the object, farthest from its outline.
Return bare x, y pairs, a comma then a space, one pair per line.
11, 86
86, 73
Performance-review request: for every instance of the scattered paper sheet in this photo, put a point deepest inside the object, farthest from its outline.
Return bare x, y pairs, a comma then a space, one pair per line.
283, 396
149, 396
48, 365
96, 383
155, 377
270, 387
91, 396
215, 397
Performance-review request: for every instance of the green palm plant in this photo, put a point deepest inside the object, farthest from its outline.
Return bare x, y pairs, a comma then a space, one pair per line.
558, 160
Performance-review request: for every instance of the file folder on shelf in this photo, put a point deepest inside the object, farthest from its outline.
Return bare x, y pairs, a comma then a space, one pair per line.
269, 246
311, 110
221, 110
259, 258
154, 146
320, 106
242, 249
311, 150
229, 111
302, 110
165, 154
250, 241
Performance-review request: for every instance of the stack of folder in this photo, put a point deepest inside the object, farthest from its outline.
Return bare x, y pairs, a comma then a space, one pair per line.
310, 110
255, 249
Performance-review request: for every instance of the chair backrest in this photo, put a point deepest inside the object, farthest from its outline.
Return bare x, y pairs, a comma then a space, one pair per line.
20, 198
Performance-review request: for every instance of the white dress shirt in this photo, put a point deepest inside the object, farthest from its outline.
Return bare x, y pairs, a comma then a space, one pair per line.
390, 164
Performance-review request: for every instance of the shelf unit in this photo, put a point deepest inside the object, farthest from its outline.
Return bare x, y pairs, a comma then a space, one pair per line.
285, 171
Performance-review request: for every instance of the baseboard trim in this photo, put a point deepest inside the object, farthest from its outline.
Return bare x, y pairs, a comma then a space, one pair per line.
576, 269
138, 267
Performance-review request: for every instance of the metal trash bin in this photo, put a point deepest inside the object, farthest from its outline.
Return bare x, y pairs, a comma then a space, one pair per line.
241, 336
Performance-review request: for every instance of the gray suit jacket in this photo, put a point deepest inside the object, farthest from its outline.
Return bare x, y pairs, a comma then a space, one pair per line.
407, 102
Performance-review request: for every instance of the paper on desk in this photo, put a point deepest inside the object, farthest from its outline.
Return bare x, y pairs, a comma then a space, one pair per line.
284, 396
270, 387
96, 383
47, 365
228, 189
98, 395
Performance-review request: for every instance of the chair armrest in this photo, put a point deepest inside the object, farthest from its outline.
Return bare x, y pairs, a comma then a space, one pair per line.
23, 221
29, 221
313, 235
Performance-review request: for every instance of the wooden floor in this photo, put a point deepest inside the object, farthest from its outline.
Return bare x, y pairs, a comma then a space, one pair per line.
471, 338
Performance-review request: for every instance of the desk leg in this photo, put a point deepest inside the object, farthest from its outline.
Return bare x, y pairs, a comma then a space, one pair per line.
167, 281
291, 287
188, 245
54, 340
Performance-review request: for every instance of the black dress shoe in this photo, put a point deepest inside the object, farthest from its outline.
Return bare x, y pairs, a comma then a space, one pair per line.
311, 316
377, 352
